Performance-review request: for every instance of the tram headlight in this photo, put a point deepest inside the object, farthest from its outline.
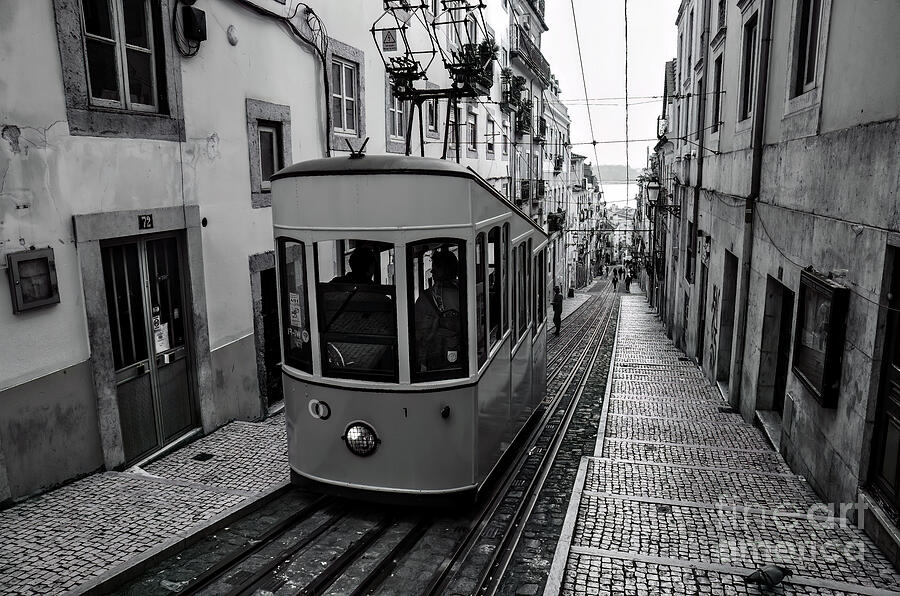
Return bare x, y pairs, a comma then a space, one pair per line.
361, 439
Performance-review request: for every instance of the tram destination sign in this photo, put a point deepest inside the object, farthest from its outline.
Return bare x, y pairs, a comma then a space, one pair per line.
145, 222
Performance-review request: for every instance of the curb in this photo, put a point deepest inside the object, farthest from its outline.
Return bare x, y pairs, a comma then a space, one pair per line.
563, 547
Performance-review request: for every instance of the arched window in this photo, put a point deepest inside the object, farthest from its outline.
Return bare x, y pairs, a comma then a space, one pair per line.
480, 301
504, 275
496, 273
522, 262
294, 304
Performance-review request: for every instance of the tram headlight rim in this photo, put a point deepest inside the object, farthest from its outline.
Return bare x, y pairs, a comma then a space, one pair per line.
371, 440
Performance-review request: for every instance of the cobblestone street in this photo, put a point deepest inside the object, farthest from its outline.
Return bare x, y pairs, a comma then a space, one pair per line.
64, 538
682, 497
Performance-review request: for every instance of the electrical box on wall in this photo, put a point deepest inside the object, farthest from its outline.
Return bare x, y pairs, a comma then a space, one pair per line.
194, 23
819, 337
32, 279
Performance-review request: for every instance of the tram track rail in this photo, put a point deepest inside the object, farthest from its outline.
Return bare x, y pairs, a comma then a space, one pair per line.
574, 328
489, 575
495, 525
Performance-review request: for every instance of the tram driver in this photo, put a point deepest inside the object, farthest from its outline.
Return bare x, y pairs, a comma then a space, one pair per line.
363, 262
438, 317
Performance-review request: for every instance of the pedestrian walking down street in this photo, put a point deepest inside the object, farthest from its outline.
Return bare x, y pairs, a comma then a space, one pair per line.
615, 280
557, 308
627, 281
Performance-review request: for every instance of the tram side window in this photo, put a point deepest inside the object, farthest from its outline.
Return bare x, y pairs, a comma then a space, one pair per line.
480, 306
294, 304
357, 312
515, 294
539, 283
495, 282
522, 288
504, 276
437, 298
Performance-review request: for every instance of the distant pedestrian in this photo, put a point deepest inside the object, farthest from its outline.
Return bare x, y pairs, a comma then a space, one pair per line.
557, 308
627, 282
615, 280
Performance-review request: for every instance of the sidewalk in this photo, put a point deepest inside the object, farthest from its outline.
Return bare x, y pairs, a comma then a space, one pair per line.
683, 497
59, 540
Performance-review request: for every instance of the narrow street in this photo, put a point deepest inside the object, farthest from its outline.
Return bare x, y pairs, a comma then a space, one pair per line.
683, 497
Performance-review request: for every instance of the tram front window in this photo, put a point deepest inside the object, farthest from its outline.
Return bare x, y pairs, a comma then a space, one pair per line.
436, 270
294, 304
357, 309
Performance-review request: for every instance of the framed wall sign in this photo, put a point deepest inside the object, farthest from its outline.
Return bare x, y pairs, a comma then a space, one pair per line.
819, 337
32, 279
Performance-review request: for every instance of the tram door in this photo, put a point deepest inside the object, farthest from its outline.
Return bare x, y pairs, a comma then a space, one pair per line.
145, 300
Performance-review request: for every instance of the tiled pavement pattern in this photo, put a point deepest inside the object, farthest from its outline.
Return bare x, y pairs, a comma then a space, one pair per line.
682, 497
56, 541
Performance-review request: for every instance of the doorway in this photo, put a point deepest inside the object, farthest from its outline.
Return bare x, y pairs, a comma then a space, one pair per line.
273, 389
701, 313
146, 300
726, 325
885, 472
775, 347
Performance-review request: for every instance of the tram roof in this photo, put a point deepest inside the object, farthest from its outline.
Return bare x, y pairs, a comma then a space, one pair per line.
393, 164
375, 164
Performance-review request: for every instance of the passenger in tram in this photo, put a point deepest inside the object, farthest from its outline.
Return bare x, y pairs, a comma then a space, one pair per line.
363, 309
438, 317
362, 267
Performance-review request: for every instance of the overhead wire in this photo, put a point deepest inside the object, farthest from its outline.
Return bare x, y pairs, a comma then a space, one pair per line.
627, 176
584, 84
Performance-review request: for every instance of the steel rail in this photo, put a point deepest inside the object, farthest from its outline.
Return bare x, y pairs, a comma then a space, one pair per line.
443, 576
383, 570
337, 567
234, 558
491, 579
582, 312
250, 584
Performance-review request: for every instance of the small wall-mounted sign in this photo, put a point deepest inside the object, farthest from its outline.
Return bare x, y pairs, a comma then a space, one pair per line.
32, 279
145, 222
389, 40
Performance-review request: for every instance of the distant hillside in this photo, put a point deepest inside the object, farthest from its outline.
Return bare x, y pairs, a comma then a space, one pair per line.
615, 172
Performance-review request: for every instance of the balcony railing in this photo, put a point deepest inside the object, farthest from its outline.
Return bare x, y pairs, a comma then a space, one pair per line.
522, 46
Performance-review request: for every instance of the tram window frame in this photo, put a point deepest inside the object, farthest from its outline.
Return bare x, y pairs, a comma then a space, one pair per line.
334, 362
415, 279
303, 359
504, 269
522, 289
540, 308
495, 289
481, 343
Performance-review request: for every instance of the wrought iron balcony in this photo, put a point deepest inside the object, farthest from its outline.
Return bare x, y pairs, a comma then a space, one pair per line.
522, 47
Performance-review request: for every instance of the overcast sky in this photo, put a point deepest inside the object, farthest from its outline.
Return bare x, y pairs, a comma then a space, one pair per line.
652, 39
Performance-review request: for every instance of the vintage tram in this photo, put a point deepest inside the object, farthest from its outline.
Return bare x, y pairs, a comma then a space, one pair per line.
413, 315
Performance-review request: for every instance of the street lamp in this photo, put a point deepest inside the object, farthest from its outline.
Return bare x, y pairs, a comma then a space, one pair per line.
655, 192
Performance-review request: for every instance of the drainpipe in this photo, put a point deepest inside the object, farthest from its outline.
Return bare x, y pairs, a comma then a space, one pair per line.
701, 133
759, 121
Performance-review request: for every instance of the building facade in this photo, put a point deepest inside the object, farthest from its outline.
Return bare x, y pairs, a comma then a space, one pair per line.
135, 220
781, 150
